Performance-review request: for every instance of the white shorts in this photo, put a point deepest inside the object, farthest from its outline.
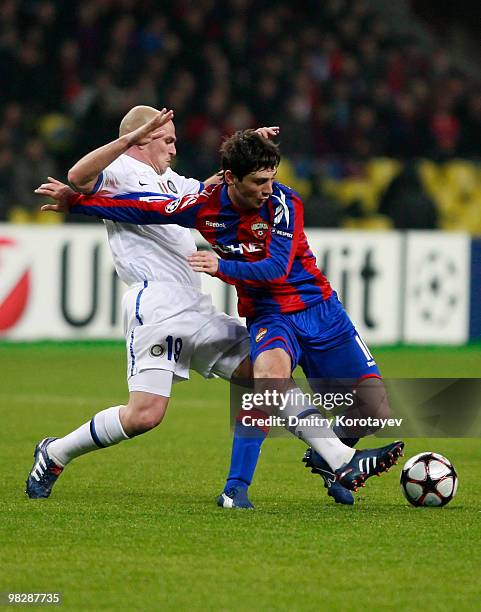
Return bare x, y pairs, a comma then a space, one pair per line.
175, 328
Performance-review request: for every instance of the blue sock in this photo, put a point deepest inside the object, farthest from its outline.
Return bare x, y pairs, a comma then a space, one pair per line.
246, 448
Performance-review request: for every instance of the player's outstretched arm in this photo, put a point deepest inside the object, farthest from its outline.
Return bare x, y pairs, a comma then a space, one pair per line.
150, 210
57, 191
84, 174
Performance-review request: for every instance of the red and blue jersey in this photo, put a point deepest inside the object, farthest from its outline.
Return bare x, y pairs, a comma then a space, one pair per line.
264, 252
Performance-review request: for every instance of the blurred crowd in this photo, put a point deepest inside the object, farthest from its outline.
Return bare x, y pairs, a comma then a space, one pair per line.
340, 84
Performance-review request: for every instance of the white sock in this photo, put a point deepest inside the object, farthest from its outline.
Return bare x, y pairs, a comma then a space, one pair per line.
104, 429
320, 437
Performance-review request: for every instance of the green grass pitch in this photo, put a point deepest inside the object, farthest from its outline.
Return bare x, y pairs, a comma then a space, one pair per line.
135, 527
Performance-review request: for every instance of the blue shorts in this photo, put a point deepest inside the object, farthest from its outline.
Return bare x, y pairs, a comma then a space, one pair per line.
321, 339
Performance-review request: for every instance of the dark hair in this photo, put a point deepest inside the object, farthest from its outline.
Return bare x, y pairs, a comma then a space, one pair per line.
246, 152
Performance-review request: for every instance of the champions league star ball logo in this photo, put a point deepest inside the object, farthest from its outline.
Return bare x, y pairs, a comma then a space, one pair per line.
15, 281
435, 288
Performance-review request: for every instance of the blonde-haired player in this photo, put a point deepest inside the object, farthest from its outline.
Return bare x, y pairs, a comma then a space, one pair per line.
170, 325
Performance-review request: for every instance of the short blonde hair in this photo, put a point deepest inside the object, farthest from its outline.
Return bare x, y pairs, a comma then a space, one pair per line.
137, 116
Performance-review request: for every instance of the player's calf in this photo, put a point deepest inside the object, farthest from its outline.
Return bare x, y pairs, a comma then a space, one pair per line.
143, 412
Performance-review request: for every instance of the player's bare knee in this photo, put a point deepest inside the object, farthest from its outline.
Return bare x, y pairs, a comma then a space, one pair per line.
275, 363
275, 371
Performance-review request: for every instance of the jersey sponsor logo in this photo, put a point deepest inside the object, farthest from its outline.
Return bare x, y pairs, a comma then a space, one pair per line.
241, 248
156, 350
259, 228
261, 333
282, 233
282, 210
214, 224
143, 184
15, 283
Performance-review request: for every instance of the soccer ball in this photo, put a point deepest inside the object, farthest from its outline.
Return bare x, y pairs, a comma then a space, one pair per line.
429, 479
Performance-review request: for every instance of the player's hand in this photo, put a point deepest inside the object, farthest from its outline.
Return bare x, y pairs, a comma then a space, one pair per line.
151, 130
268, 132
57, 191
204, 261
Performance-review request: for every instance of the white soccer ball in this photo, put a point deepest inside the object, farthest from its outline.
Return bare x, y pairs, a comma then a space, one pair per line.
429, 479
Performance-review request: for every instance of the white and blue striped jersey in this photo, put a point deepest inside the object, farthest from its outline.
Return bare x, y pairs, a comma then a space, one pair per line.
148, 252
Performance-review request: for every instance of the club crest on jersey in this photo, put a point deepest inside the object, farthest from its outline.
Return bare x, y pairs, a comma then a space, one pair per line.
156, 350
259, 228
168, 187
171, 186
261, 333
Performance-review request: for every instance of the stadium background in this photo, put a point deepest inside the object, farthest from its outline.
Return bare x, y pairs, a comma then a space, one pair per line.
380, 109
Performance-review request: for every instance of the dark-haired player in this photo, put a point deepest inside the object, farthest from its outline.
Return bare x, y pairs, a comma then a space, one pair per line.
294, 317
